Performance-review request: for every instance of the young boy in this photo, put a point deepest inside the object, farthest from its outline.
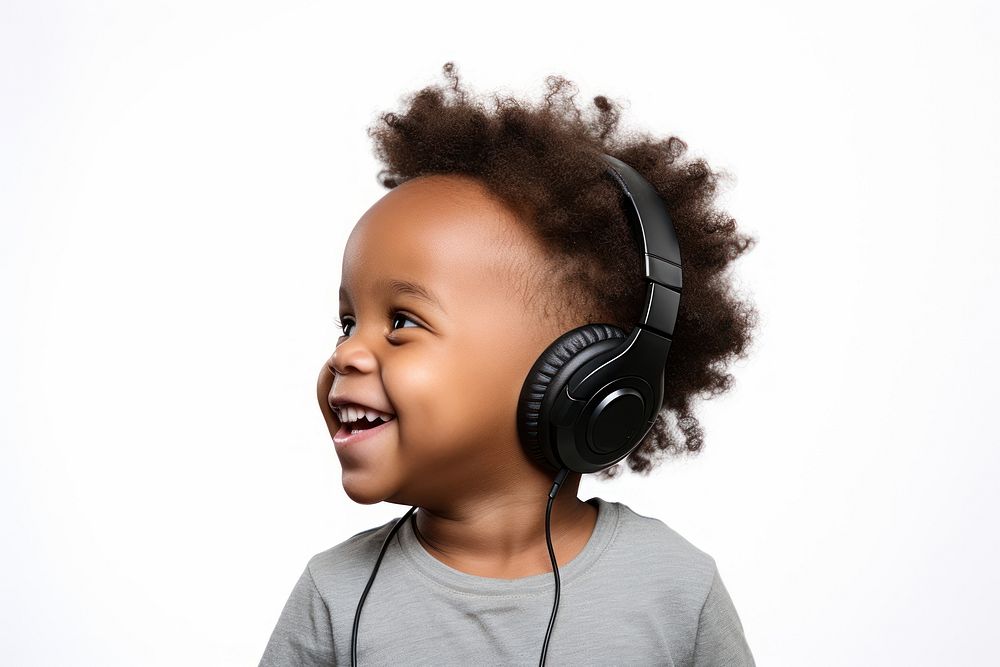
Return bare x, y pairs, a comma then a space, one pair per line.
497, 236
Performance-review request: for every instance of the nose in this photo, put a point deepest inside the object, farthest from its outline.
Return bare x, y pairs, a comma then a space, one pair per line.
351, 354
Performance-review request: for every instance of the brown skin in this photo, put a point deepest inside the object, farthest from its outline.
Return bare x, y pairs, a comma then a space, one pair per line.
452, 376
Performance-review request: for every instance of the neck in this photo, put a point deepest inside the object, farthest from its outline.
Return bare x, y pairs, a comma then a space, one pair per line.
504, 535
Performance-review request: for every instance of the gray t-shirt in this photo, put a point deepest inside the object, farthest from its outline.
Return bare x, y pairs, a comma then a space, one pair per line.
637, 594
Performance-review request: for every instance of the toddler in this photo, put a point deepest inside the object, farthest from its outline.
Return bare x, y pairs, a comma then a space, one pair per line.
503, 229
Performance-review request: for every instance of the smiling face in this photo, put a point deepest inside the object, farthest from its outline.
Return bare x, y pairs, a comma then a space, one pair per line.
451, 371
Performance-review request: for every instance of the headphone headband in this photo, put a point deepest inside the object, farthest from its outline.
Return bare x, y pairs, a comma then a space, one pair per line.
654, 232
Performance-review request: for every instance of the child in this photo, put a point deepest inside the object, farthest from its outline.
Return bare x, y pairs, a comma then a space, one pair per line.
502, 231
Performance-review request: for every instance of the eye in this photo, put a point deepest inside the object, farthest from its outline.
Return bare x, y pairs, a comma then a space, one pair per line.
394, 315
343, 322
403, 316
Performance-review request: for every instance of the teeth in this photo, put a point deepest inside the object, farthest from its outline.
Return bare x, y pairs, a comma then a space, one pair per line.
350, 413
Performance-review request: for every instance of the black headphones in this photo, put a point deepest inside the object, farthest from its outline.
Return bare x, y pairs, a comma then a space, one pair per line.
594, 393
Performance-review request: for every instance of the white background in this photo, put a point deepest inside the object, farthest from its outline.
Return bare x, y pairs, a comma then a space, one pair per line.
177, 181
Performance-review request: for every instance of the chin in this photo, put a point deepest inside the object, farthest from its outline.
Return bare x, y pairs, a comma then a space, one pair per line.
363, 489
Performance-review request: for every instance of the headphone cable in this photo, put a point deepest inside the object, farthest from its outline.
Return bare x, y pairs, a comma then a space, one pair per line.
378, 561
560, 478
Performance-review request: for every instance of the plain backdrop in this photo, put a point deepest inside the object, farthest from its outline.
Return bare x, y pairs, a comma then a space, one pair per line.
178, 180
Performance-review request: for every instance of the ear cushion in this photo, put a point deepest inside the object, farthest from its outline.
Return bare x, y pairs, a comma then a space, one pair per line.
540, 376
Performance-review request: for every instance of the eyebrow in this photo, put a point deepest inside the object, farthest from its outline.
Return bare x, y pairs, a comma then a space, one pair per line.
416, 290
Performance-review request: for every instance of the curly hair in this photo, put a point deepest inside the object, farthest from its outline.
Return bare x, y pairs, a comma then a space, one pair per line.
542, 161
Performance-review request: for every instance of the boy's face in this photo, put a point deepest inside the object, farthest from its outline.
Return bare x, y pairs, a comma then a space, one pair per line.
450, 373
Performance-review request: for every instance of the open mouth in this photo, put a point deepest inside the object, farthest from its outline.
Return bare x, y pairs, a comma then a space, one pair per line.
363, 424
360, 430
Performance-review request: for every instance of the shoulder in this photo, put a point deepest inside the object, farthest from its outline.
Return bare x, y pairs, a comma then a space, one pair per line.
349, 562
651, 548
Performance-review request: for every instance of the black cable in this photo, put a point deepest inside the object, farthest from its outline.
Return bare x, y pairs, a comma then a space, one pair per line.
357, 614
560, 478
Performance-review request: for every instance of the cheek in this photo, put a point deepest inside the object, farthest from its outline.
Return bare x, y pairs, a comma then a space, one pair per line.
423, 384
443, 396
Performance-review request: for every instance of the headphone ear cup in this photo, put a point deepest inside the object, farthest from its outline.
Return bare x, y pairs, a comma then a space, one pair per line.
539, 381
